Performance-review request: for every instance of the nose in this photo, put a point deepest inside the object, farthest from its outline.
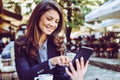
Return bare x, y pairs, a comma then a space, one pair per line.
52, 23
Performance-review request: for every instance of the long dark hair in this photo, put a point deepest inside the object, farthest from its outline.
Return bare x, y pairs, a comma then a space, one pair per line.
33, 33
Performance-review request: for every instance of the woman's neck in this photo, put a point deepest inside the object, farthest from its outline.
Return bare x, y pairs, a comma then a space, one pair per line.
43, 38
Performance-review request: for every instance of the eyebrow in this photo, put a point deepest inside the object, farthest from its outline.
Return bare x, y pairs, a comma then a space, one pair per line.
52, 17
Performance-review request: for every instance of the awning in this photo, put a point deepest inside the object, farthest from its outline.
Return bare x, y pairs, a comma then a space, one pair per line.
110, 22
109, 10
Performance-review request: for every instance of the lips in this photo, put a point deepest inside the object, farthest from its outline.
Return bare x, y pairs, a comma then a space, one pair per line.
50, 28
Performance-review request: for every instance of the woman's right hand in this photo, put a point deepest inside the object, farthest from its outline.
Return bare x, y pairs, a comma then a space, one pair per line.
60, 60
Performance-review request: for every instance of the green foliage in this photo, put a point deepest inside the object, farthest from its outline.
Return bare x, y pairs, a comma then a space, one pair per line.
79, 10
37, 1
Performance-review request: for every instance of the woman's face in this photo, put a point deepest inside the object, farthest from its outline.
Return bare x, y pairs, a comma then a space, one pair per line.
49, 22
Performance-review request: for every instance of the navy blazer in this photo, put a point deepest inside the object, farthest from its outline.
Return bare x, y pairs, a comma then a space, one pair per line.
27, 67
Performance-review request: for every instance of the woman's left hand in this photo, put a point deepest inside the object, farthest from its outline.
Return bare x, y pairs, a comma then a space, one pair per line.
81, 70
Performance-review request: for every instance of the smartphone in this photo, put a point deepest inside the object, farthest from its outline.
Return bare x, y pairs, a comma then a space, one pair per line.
84, 52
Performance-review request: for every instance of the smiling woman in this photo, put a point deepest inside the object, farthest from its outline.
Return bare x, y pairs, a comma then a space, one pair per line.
37, 51
49, 22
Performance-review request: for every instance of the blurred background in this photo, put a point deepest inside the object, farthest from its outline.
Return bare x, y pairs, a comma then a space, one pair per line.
93, 23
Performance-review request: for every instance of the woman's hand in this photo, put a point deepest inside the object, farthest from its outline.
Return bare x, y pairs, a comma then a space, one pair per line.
60, 60
81, 70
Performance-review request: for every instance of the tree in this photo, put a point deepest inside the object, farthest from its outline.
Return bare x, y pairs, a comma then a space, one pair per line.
76, 10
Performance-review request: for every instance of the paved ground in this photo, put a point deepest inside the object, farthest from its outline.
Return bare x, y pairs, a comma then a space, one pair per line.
111, 64
97, 73
103, 69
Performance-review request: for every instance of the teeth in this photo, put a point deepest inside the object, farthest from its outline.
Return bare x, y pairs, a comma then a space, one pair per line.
50, 28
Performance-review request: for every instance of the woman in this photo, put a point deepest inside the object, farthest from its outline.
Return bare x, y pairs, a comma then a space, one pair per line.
37, 52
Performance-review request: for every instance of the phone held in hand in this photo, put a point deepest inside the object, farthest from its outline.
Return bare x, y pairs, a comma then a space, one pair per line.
84, 52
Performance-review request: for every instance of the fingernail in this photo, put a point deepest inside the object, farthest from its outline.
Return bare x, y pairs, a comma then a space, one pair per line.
70, 63
81, 57
66, 68
76, 59
87, 61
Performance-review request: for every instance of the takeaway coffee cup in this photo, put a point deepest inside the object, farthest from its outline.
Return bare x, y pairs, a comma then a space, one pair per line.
44, 77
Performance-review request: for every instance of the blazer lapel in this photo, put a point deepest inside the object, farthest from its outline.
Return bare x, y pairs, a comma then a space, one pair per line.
51, 50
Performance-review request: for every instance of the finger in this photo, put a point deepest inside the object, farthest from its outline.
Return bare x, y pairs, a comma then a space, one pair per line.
82, 63
78, 65
67, 60
86, 66
72, 68
58, 61
69, 73
63, 60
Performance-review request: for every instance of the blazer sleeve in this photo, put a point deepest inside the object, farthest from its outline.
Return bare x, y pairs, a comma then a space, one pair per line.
24, 70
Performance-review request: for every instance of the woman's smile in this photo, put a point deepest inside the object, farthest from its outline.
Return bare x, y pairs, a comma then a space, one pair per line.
49, 22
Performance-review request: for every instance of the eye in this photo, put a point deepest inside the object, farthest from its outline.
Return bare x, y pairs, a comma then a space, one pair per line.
57, 22
49, 18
